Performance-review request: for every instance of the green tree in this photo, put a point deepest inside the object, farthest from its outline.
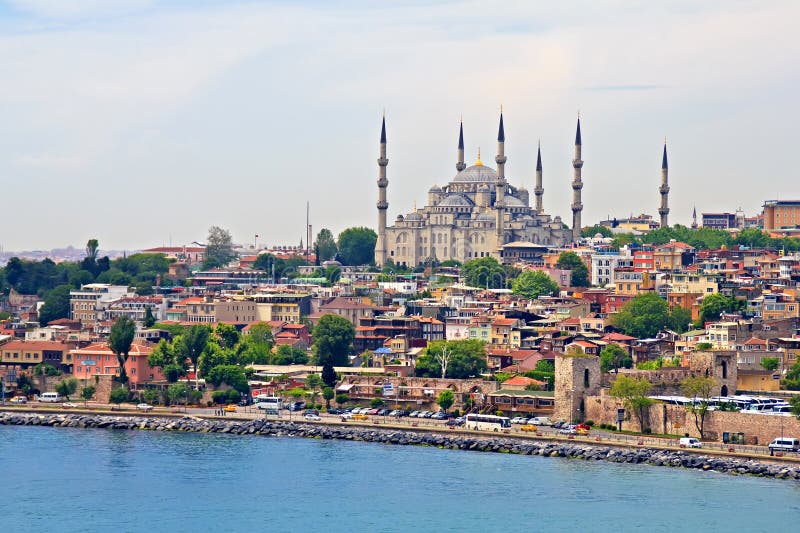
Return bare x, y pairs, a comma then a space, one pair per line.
572, 262
679, 319
699, 388
87, 393
119, 342
329, 375
465, 359
118, 395
794, 402
342, 399
545, 365
642, 317
534, 283
633, 392
150, 396
614, 356
357, 246
232, 375
149, 319
266, 262
261, 333
325, 245
56, 305
333, 338
714, 305
176, 391
770, 364
446, 399
193, 344
484, 272
327, 395
219, 248
67, 387
594, 230
227, 335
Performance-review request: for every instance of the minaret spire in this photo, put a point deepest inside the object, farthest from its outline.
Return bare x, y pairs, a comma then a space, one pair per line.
694, 217
383, 205
577, 185
460, 164
500, 184
538, 190
664, 189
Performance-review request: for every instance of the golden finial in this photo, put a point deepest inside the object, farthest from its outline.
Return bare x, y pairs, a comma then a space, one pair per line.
479, 162
415, 206
665, 139
501, 109
579, 114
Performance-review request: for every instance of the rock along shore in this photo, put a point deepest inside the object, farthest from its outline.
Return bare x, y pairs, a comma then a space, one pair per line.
673, 458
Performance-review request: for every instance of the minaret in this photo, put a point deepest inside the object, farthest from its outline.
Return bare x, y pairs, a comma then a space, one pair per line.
460, 164
577, 185
538, 190
664, 189
380, 245
694, 218
500, 184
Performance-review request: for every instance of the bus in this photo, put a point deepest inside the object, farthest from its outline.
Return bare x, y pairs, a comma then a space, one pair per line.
269, 404
486, 422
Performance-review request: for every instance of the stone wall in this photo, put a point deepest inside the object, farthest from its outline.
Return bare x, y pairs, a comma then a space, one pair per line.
677, 420
576, 378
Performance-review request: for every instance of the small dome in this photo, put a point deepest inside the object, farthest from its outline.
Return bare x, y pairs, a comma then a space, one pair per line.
413, 217
476, 173
400, 218
484, 217
454, 200
484, 187
435, 188
511, 201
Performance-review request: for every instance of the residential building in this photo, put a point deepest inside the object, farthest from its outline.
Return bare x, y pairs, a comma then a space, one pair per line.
781, 214
88, 304
605, 265
135, 308
27, 354
98, 359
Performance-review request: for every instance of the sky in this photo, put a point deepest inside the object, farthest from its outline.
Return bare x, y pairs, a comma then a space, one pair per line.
142, 122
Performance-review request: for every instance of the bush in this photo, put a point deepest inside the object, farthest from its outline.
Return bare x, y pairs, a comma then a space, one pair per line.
220, 396
589, 423
647, 431
456, 413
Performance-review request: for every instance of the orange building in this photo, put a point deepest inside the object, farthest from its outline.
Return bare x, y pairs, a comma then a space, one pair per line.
780, 214
98, 359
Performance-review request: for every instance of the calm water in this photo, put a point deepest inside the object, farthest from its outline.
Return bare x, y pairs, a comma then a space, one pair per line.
97, 480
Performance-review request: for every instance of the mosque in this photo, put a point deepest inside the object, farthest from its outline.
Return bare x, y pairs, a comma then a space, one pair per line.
478, 214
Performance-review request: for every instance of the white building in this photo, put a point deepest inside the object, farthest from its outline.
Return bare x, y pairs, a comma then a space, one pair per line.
604, 266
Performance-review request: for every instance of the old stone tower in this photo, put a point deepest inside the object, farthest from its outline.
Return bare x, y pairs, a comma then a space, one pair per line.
720, 365
577, 376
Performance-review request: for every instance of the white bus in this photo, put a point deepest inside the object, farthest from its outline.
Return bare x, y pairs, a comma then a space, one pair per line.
270, 404
487, 422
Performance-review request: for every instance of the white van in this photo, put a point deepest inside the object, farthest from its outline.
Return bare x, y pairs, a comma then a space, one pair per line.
785, 444
540, 421
50, 397
690, 442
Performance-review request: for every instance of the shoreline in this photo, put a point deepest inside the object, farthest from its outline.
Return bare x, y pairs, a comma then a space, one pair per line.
654, 456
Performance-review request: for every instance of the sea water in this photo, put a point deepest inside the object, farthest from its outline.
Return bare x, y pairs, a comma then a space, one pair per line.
58, 479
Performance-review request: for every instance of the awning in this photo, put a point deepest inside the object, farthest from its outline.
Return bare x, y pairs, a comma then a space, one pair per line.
344, 388
428, 392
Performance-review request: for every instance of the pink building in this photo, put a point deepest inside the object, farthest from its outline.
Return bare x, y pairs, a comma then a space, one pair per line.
98, 359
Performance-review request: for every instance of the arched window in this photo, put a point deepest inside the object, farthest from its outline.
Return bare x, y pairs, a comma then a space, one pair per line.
724, 370
585, 379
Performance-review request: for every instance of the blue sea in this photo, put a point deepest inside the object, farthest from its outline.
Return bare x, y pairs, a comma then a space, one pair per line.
56, 479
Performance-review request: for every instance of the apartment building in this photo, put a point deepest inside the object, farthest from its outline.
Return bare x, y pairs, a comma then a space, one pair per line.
89, 303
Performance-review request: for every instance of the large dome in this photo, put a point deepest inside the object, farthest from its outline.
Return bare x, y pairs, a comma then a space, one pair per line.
512, 201
476, 173
454, 200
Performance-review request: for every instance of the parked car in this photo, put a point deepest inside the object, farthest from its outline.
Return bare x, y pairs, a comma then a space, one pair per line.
414, 414
346, 416
427, 414
455, 422
441, 415
568, 430
372, 411
519, 420
335, 411
528, 427
147, 407
69, 405
540, 421
312, 416
230, 408
559, 424
19, 400
382, 412
359, 416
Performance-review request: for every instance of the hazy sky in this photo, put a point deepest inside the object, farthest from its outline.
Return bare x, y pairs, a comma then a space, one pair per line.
142, 122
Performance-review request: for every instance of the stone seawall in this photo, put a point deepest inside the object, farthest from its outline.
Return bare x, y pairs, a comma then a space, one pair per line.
419, 438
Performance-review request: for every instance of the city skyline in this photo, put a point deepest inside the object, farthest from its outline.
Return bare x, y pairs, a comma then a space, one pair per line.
146, 122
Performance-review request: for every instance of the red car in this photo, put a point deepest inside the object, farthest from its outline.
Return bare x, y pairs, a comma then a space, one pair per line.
583, 426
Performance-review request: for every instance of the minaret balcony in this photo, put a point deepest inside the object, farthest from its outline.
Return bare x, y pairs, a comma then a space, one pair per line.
577, 185
383, 205
577, 163
577, 207
383, 161
664, 189
500, 159
383, 182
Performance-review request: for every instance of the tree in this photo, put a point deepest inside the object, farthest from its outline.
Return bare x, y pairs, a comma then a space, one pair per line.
118, 395
289, 355
572, 262
56, 305
333, 337
467, 358
150, 396
534, 283
327, 394
193, 344
594, 230
119, 341
770, 364
699, 388
446, 399
232, 375
176, 391
484, 272
443, 358
357, 246
261, 333
329, 375
227, 335
679, 319
267, 261
168, 357
342, 399
794, 402
642, 317
545, 365
633, 392
87, 393
325, 245
614, 356
67, 387
219, 248
714, 305
149, 319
